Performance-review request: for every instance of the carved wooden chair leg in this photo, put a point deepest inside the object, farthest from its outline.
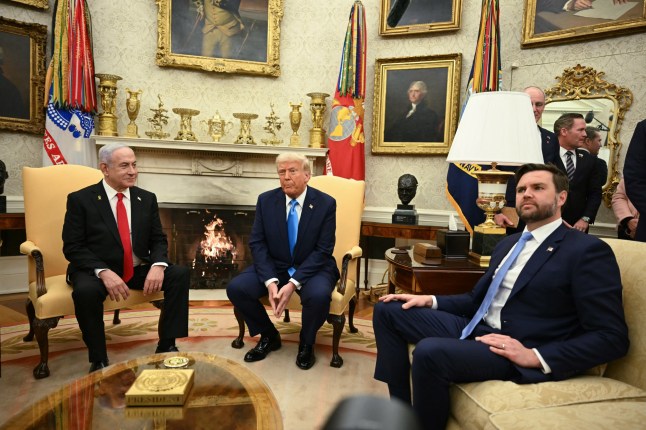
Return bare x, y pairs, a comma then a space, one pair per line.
41, 328
238, 342
286, 319
31, 315
116, 319
337, 321
353, 305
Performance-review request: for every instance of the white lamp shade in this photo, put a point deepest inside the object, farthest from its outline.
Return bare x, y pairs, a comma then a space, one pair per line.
497, 126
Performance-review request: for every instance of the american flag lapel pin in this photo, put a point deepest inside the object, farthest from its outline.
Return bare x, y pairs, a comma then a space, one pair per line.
311, 206
138, 198
550, 249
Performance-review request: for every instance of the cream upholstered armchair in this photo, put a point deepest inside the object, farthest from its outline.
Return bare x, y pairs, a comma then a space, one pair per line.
612, 397
50, 297
349, 195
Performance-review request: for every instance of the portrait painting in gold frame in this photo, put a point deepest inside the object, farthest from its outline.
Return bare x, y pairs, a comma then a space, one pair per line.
432, 84
224, 36
551, 22
422, 16
22, 76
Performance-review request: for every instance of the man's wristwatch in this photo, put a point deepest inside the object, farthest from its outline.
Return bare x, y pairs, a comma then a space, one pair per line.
586, 219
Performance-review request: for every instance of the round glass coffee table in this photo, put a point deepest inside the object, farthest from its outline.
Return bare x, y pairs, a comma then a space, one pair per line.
225, 394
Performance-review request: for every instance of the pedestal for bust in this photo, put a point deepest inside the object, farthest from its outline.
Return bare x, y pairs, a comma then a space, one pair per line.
405, 214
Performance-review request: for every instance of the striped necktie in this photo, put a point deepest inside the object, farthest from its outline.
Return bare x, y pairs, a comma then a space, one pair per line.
569, 165
495, 285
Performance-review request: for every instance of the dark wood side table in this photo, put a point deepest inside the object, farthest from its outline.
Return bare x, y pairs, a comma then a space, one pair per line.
12, 221
415, 275
396, 231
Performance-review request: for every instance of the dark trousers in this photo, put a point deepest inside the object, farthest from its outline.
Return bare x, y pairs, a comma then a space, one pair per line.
90, 293
245, 291
439, 359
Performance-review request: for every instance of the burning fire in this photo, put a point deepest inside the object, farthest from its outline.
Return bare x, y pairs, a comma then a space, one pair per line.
216, 245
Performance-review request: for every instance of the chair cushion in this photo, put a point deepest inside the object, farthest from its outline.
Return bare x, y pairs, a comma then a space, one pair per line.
473, 403
58, 300
605, 415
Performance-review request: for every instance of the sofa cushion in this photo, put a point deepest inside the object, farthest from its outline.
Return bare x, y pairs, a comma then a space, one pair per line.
624, 415
473, 403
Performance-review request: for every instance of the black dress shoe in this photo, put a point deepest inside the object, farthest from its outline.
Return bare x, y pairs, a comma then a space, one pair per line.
171, 348
96, 365
305, 358
265, 345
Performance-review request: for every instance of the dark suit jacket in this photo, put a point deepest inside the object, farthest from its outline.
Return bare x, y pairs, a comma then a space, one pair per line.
584, 197
91, 237
567, 303
421, 126
635, 176
550, 150
314, 244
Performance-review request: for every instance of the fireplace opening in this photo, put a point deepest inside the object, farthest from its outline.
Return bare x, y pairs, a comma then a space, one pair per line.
211, 241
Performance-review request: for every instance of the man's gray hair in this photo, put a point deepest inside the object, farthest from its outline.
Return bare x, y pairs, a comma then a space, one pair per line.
419, 84
105, 153
291, 156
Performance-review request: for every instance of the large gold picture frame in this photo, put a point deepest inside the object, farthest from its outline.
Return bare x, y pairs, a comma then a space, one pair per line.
422, 16
430, 128
22, 76
234, 36
42, 4
546, 23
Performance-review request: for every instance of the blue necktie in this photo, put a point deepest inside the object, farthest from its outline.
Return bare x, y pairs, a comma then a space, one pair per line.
495, 284
292, 230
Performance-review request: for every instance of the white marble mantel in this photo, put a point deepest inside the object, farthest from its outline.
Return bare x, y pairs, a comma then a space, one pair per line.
181, 172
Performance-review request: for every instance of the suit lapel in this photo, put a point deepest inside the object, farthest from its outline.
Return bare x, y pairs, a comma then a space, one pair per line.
280, 209
306, 216
102, 203
135, 213
544, 252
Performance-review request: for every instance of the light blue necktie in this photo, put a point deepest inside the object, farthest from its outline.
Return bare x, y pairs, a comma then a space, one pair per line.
495, 284
292, 230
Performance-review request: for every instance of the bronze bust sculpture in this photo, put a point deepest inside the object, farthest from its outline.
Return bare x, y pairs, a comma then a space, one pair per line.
406, 190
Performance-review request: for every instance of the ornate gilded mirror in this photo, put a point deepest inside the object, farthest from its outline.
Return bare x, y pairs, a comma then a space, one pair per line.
603, 104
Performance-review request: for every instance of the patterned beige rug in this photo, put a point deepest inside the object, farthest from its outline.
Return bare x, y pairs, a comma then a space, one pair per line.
305, 397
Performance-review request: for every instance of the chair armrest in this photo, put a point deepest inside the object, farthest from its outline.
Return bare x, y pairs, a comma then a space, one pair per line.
350, 255
31, 249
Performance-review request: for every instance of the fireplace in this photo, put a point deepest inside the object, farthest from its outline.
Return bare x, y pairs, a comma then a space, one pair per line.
199, 183
211, 241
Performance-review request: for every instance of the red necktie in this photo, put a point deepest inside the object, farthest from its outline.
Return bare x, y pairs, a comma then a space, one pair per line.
124, 233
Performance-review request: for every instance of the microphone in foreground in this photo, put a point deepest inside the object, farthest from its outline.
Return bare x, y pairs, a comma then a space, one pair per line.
396, 12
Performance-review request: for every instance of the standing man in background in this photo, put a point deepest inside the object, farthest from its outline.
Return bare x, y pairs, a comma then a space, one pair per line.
582, 171
592, 144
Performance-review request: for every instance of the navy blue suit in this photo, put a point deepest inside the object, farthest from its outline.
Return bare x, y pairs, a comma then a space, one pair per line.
316, 268
566, 302
634, 176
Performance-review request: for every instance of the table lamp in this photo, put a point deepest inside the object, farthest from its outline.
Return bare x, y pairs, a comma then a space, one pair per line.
497, 128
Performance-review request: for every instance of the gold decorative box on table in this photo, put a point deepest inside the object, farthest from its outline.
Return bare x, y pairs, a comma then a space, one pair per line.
156, 387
